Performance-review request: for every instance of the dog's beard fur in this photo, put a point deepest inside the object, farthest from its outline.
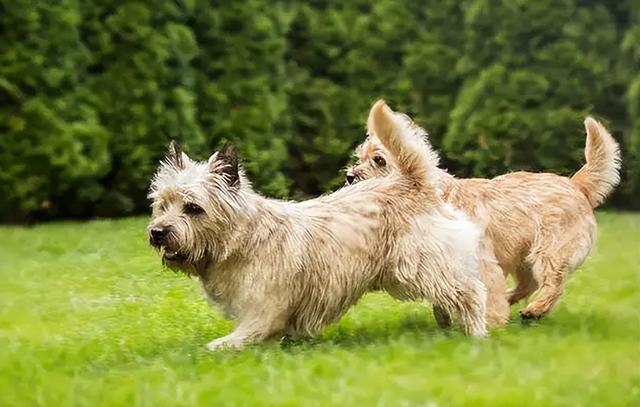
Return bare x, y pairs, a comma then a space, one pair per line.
287, 268
540, 225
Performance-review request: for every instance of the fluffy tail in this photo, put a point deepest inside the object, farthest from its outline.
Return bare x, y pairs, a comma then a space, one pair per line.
600, 175
406, 142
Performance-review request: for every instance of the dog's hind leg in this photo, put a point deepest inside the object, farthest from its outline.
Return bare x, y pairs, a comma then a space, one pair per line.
442, 317
465, 297
494, 280
452, 294
526, 284
497, 307
472, 310
551, 277
553, 261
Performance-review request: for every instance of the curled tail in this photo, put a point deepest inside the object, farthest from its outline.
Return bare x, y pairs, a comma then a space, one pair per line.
600, 175
406, 142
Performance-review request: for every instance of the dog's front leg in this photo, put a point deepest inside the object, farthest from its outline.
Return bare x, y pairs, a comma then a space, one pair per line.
235, 340
251, 330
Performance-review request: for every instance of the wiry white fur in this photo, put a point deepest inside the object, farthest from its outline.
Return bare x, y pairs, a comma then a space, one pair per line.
290, 268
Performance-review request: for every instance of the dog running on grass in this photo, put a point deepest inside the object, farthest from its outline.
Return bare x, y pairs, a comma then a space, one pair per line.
541, 226
289, 268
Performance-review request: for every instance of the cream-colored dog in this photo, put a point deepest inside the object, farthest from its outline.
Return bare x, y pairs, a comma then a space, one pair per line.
289, 268
541, 226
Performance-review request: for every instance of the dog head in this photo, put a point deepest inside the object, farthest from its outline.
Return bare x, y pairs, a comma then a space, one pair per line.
374, 160
196, 207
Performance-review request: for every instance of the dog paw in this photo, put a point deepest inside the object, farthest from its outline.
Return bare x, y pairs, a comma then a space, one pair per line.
529, 315
225, 343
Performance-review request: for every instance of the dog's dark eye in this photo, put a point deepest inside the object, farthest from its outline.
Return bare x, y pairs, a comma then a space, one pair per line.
379, 161
193, 209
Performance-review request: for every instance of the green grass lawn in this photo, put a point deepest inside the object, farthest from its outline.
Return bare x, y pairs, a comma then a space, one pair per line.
88, 317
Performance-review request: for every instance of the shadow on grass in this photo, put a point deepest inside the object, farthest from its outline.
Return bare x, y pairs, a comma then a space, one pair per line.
189, 350
598, 324
102, 356
411, 327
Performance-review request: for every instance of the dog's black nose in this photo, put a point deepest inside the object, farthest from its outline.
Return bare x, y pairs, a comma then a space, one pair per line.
157, 234
350, 178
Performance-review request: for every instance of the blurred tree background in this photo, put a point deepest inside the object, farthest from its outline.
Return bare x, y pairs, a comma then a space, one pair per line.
92, 92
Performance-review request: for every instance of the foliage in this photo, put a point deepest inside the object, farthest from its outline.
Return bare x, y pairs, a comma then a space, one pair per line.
532, 74
53, 142
91, 92
631, 50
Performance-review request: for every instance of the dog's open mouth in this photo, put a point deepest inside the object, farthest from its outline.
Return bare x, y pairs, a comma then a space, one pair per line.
169, 256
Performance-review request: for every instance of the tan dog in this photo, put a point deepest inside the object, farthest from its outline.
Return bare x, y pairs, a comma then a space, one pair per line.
290, 268
540, 225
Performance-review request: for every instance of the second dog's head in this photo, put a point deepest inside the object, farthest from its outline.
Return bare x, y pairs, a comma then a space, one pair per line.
373, 159
196, 207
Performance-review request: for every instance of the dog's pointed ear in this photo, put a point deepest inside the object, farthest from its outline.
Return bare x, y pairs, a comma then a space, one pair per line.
380, 119
226, 163
176, 157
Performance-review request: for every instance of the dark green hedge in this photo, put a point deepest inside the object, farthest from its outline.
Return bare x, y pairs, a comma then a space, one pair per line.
92, 91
